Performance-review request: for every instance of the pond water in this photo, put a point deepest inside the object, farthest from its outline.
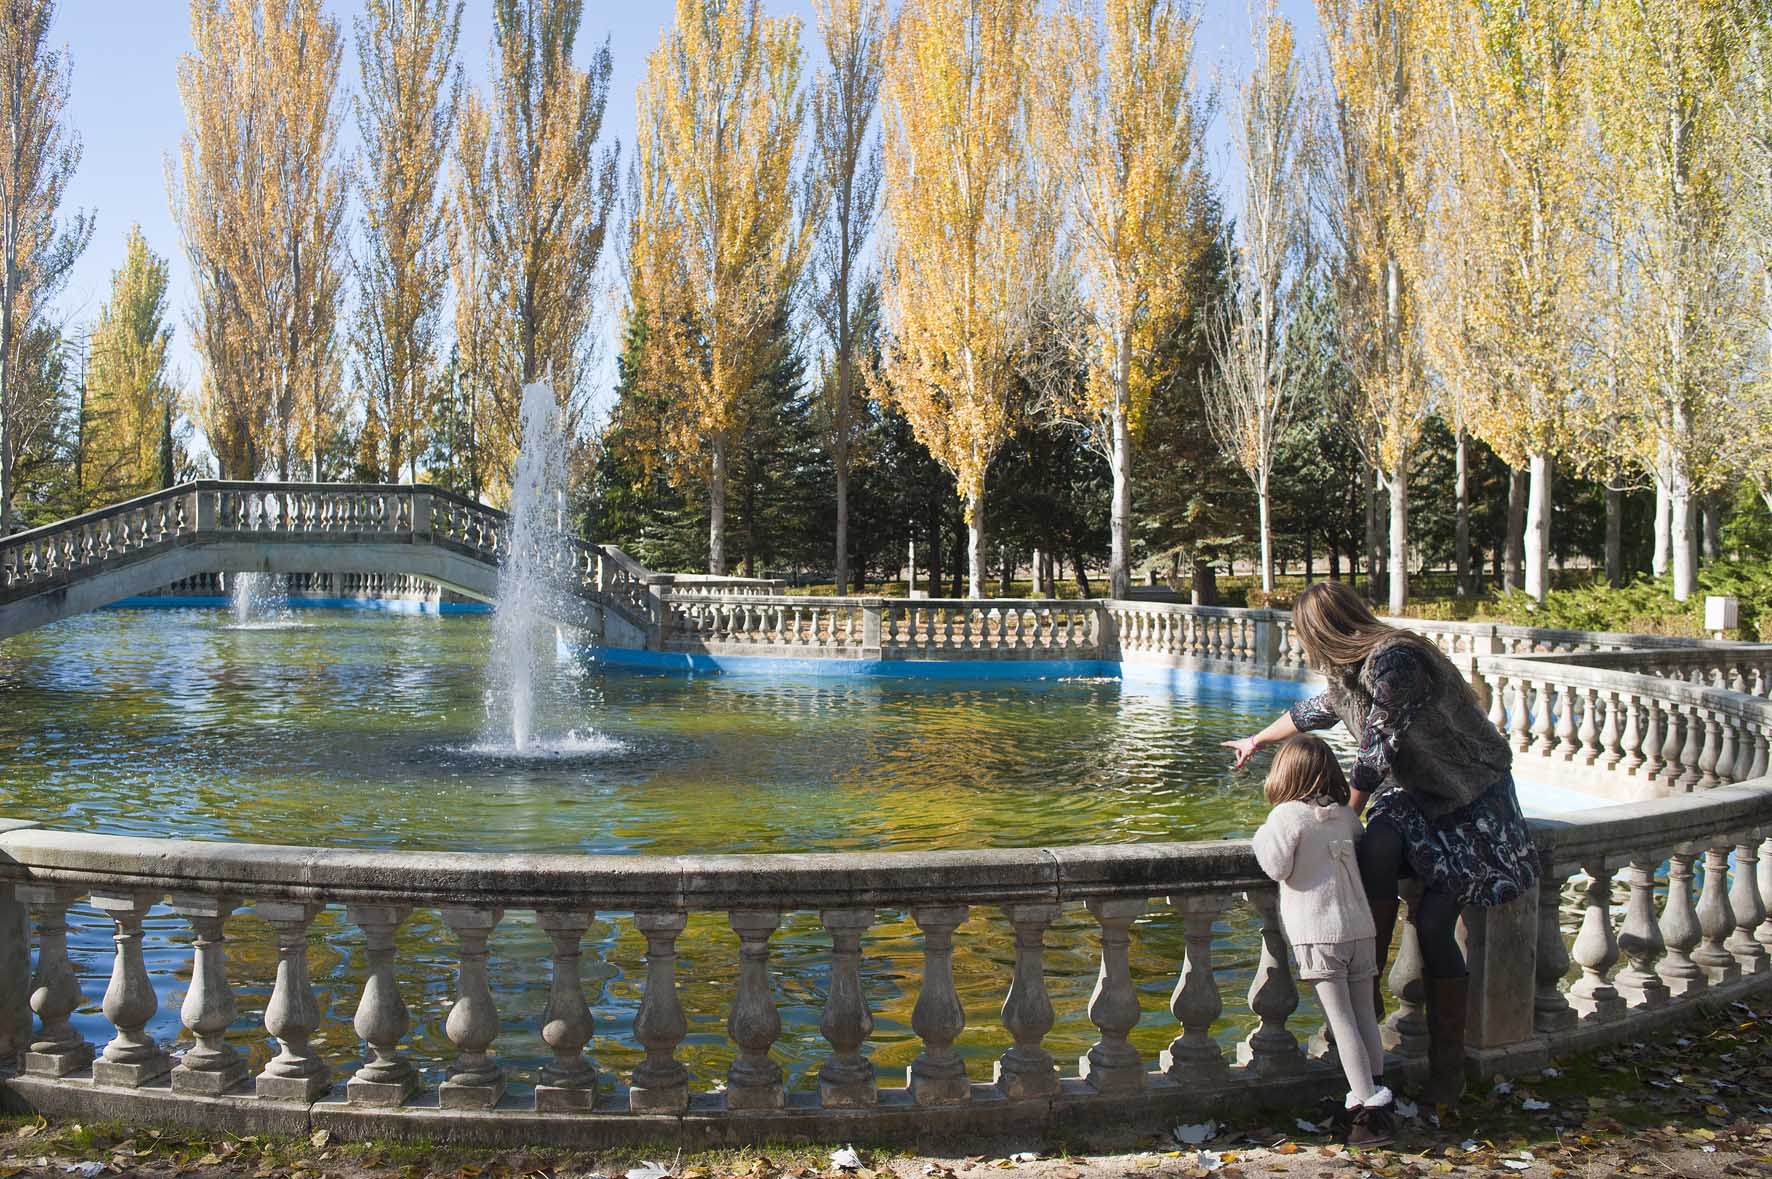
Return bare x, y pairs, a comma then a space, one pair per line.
365, 729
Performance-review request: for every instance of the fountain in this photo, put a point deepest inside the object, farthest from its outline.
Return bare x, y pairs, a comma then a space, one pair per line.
528, 581
256, 599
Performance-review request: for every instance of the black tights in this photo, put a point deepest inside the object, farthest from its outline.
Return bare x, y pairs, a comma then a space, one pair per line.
1382, 864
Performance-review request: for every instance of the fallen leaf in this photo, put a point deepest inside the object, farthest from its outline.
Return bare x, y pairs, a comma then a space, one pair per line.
1196, 1133
844, 1159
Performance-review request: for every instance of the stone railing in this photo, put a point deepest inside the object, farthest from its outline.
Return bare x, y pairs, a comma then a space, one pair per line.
882, 628
1706, 947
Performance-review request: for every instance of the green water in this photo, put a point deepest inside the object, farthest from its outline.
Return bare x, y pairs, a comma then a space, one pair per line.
366, 729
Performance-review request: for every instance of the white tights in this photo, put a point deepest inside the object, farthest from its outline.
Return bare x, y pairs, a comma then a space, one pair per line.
1355, 1025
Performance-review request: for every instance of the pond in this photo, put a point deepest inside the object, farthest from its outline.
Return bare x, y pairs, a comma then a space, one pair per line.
364, 729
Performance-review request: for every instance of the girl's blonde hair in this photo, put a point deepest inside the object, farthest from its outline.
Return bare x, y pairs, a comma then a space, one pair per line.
1305, 768
1337, 628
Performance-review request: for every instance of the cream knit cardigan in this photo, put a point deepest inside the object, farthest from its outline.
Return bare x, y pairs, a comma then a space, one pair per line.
1309, 850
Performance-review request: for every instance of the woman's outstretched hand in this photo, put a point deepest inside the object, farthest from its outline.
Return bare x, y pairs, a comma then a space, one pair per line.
1244, 747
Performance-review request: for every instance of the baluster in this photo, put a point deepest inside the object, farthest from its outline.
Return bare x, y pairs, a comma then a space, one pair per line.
1543, 724
1405, 1031
1653, 739
1716, 919
1749, 911
1708, 757
1568, 702
1112, 1064
1270, 1049
387, 1078
1520, 714
1587, 736
132, 1058
1497, 700
1673, 744
1632, 740
846, 1078
1763, 935
1194, 1057
938, 1075
660, 1083
1680, 932
1550, 1007
1026, 1069
1609, 754
1639, 939
754, 1080
1759, 768
1692, 751
1596, 949
1726, 754
212, 1066
297, 1072
569, 1081
475, 1079
55, 988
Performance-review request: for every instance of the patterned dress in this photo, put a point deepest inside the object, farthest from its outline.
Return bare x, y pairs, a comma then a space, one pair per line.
1481, 853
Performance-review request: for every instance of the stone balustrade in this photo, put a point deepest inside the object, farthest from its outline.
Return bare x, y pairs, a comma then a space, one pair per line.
1706, 853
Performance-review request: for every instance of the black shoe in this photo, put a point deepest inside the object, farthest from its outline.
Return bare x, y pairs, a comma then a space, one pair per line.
1372, 1126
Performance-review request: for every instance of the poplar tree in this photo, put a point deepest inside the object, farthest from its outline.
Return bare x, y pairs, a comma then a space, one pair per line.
406, 117
37, 248
1374, 187
972, 233
128, 400
1663, 76
1125, 138
532, 194
1250, 405
260, 199
718, 244
845, 182
1512, 85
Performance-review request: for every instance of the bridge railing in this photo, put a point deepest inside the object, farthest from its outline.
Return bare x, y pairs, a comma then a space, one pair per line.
881, 628
56, 553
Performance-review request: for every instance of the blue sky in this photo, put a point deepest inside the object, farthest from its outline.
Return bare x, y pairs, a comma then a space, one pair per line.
125, 106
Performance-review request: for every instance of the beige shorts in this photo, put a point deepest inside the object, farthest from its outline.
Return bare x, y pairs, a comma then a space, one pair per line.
1322, 961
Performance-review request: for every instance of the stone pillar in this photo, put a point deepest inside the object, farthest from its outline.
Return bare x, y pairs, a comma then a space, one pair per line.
1716, 919
871, 610
133, 1057
1551, 1012
1270, 1049
1596, 949
1194, 1057
382, 1021
1113, 1065
1641, 942
1763, 935
1406, 1029
1501, 948
846, 1078
1744, 900
660, 1083
212, 1067
938, 1075
57, 1049
1679, 929
754, 1080
297, 1072
1266, 644
569, 1081
1026, 1069
475, 1079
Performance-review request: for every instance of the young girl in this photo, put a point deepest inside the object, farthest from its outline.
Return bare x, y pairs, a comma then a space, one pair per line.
1307, 845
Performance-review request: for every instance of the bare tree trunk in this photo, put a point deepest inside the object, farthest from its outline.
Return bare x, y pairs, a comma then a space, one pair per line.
1713, 529
1614, 537
1516, 528
1120, 524
1684, 540
1461, 527
975, 567
1264, 503
1538, 509
1398, 571
935, 567
1373, 558
1035, 567
842, 569
717, 508
1006, 586
1664, 507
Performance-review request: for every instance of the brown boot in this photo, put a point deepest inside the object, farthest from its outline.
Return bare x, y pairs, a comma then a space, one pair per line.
1446, 999
1384, 918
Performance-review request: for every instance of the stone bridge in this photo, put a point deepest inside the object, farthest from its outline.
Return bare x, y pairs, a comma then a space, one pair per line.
208, 527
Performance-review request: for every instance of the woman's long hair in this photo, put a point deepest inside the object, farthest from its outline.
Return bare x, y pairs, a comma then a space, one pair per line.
1337, 628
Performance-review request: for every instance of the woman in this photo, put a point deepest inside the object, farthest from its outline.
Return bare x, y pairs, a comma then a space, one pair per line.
1439, 779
